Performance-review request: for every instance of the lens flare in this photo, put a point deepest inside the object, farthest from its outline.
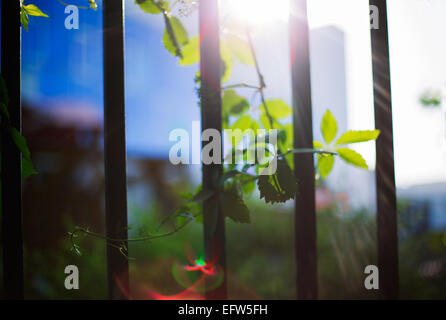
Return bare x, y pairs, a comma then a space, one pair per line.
258, 12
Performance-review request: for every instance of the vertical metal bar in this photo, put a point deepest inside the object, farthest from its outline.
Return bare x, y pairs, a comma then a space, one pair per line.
114, 145
385, 171
11, 175
305, 211
211, 118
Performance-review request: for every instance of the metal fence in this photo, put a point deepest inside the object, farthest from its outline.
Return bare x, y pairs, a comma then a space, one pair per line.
115, 154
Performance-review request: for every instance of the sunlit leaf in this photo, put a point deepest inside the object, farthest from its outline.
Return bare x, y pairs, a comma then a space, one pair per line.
24, 18
243, 123
325, 164
174, 33
277, 108
265, 121
352, 157
149, 6
191, 52
226, 57
240, 49
317, 144
329, 127
232, 103
358, 136
33, 10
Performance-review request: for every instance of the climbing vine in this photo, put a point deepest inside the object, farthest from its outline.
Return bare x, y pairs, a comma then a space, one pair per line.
238, 180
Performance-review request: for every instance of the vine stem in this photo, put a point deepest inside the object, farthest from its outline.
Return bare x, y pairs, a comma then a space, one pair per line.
262, 86
310, 151
79, 7
115, 242
241, 85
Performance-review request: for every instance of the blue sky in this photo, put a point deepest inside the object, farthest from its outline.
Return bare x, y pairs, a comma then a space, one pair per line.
63, 69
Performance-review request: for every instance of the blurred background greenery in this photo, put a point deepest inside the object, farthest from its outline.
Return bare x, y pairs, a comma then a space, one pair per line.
260, 257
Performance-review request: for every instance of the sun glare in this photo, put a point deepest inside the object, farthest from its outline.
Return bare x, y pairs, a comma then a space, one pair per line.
258, 12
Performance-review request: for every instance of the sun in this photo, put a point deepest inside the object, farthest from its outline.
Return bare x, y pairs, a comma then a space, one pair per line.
257, 12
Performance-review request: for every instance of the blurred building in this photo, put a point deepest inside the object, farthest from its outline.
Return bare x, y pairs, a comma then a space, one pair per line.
426, 202
329, 91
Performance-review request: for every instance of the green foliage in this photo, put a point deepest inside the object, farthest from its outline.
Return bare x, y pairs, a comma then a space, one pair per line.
175, 36
233, 104
358, 136
329, 127
279, 187
240, 49
93, 4
33, 10
278, 108
352, 157
431, 99
329, 130
228, 191
16, 136
325, 164
226, 58
233, 206
152, 6
191, 52
29, 10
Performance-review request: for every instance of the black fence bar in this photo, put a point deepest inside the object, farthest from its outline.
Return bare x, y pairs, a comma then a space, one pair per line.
114, 145
11, 175
305, 211
385, 171
211, 118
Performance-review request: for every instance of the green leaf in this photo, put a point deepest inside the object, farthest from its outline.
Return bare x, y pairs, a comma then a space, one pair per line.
325, 164
226, 57
243, 123
329, 127
279, 187
265, 121
33, 10
278, 108
20, 142
240, 49
288, 129
358, 136
352, 157
149, 6
24, 18
93, 4
248, 184
191, 52
232, 103
174, 32
234, 207
27, 168
317, 144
